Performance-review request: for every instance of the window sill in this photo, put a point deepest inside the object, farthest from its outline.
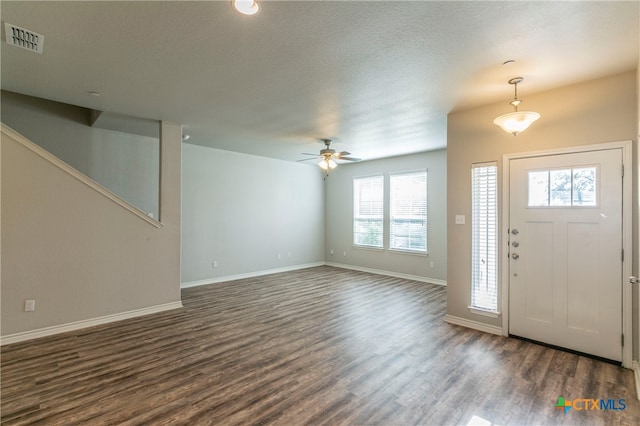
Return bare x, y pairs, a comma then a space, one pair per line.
368, 248
484, 312
413, 252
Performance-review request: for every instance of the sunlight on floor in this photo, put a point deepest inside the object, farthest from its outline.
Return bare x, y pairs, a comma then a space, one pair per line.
479, 421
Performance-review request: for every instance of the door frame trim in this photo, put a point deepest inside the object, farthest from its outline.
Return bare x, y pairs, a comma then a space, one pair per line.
627, 237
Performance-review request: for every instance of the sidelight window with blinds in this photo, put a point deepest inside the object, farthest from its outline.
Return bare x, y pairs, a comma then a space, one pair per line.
408, 212
484, 229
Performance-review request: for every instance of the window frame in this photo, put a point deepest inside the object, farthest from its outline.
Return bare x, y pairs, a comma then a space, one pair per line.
572, 204
357, 216
392, 205
485, 301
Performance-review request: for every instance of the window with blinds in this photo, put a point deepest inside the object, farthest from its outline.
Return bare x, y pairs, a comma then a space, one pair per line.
408, 211
484, 229
368, 211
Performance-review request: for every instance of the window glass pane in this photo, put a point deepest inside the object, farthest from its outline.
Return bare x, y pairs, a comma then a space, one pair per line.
575, 187
368, 210
367, 232
408, 210
584, 186
484, 230
539, 188
560, 187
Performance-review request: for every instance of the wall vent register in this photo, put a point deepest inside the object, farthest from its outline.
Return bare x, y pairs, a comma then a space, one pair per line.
23, 38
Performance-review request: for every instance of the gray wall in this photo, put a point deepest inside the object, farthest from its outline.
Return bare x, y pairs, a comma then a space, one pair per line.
126, 164
339, 217
76, 252
593, 112
242, 211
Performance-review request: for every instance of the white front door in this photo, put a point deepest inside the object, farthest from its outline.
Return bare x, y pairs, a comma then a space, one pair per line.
565, 264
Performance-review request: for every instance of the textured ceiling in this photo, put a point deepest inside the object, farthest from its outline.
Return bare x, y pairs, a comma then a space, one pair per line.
379, 77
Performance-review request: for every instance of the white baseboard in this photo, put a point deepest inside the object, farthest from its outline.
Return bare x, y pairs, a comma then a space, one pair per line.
636, 373
310, 265
473, 324
249, 275
389, 273
77, 325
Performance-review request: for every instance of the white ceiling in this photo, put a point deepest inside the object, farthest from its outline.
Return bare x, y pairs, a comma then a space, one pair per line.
378, 77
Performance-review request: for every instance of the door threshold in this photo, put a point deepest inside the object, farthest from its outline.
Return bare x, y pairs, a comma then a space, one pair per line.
571, 351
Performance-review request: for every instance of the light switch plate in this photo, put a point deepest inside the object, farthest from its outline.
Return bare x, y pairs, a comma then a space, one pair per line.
460, 219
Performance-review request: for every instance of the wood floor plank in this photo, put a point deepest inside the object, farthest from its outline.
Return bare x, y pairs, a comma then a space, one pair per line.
317, 346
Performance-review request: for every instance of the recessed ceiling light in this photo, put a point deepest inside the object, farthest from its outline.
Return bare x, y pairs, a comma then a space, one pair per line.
94, 93
246, 7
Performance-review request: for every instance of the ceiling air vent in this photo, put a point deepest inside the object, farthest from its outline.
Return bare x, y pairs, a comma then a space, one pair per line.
23, 38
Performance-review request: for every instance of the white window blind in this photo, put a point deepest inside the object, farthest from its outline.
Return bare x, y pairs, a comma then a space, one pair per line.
368, 211
408, 211
484, 274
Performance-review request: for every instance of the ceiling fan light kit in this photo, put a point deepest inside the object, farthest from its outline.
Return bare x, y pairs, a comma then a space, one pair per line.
327, 164
328, 155
516, 121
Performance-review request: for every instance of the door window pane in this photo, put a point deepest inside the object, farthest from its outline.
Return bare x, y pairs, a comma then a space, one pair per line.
584, 186
539, 189
560, 187
574, 187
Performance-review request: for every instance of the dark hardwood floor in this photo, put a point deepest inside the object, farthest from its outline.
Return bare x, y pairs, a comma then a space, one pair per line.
316, 346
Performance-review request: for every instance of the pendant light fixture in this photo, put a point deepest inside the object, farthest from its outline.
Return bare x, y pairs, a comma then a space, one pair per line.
516, 121
246, 7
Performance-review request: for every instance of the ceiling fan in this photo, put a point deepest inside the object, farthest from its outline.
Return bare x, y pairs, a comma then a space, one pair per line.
328, 155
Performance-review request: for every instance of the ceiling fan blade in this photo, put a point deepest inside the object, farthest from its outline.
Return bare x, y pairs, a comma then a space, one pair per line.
342, 154
350, 159
306, 153
307, 159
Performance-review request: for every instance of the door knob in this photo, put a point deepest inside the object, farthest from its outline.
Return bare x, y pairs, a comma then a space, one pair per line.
515, 256
634, 280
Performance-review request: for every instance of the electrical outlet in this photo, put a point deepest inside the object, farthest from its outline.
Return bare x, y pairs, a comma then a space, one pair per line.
431, 264
215, 263
279, 256
289, 254
331, 252
29, 305
344, 254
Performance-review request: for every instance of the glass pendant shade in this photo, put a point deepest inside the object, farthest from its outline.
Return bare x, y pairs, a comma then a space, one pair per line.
516, 122
327, 164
